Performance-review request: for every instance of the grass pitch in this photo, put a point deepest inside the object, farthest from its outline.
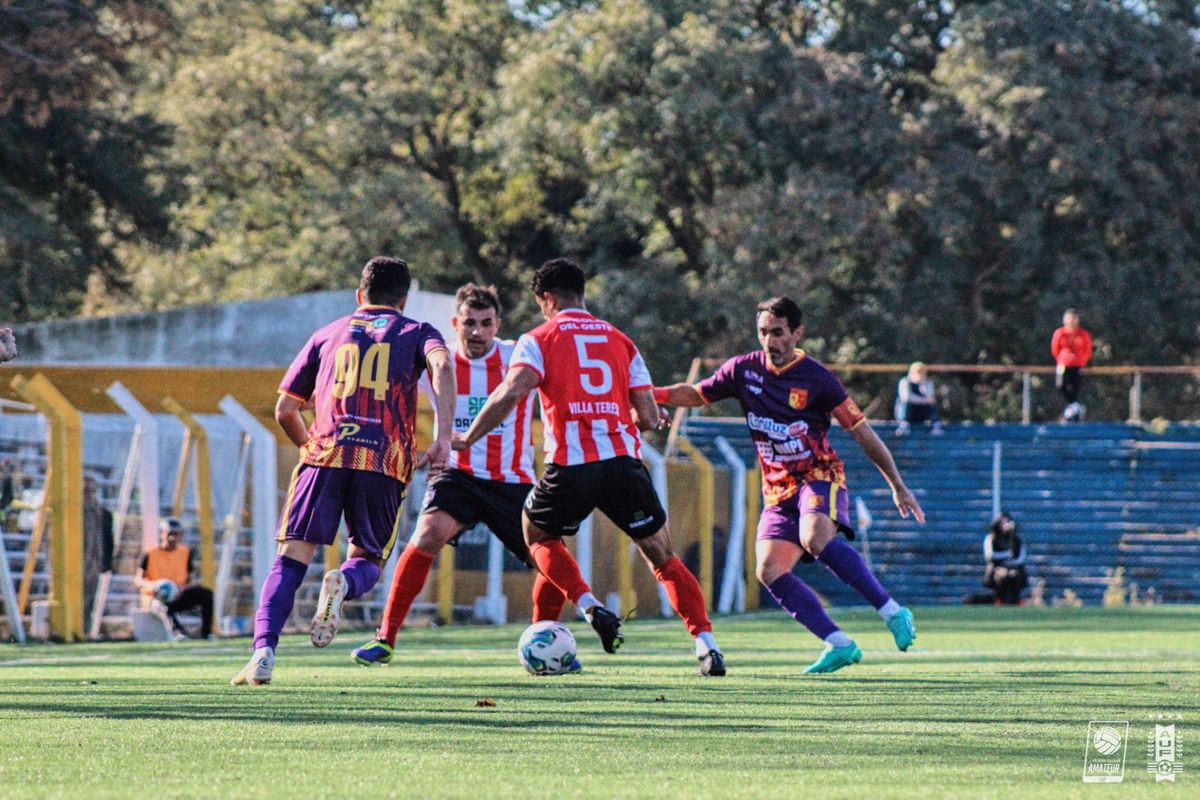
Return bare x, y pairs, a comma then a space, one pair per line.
991, 702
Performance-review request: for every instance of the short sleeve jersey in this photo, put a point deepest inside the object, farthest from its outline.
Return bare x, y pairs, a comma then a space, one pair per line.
505, 454
361, 372
587, 368
788, 411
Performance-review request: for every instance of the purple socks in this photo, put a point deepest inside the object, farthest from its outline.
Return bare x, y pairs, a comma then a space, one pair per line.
275, 602
802, 603
361, 576
845, 562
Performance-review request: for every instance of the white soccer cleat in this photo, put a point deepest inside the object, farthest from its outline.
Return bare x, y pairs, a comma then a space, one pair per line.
329, 608
257, 671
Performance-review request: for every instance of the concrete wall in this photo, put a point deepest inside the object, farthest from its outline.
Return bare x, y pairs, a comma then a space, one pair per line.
260, 333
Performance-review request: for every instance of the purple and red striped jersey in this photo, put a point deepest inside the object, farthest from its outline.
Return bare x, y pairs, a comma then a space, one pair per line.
361, 372
789, 411
506, 453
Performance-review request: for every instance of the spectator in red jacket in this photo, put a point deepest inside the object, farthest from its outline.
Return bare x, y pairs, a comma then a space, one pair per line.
1072, 349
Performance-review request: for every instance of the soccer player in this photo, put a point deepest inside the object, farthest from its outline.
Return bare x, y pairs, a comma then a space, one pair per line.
361, 371
595, 393
489, 482
789, 400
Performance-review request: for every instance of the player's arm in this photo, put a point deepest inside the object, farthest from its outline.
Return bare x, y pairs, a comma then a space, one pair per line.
877, 451
287, 414
518, 383
646, 413
680, 394
441, 380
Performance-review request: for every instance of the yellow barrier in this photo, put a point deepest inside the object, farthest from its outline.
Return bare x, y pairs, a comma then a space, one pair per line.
753, 509
196, 440
64, 496
445, 586
704, 499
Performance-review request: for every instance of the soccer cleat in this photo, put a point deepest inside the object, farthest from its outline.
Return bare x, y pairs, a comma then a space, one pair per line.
375, 651
903, 629
712, 664
608, 625
329, 608
257, 671
834, 658
576, 666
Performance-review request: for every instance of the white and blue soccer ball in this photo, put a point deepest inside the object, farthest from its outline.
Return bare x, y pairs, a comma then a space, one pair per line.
166, 591
547, 648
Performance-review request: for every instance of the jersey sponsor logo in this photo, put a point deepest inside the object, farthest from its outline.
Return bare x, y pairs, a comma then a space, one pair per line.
776, 430
352, 433
751, 375
345, 429
797, 398
593, 408
381, 322
755, 389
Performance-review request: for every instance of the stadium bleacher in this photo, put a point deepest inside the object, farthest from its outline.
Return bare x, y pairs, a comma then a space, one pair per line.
1089, 498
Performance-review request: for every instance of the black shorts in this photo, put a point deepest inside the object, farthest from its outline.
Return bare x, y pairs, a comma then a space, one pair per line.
471, 500
620, 487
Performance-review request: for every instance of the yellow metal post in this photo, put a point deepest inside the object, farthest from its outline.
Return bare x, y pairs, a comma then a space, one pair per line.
753, 509
625, 588
64, 495
181, 475
198, 437
704, 501
445, 586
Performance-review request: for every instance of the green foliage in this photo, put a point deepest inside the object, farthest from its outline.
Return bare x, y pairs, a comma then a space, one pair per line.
931, 179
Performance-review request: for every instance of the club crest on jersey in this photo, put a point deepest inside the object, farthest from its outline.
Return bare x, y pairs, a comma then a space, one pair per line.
815, 501
797, 398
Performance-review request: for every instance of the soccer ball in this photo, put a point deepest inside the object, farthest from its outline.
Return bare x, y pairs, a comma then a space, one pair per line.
166, 591
546, 648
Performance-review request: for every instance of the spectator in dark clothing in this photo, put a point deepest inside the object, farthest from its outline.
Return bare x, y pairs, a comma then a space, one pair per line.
1005, 555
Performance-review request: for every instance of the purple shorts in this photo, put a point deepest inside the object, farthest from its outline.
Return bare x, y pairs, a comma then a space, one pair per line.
318, 497
815, 497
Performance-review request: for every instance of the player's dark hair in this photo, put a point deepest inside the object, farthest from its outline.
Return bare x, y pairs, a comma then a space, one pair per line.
561, 276
782, 306
475, 296
385, 281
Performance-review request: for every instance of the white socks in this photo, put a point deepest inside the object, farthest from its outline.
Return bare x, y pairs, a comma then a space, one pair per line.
838, 639
586, 603
888, 609
704, 643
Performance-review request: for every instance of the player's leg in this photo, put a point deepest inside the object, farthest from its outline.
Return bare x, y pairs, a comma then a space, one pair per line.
435, 528
818, 535
196, 597
371, 506
776, 558
686, 597
311, 515
501, 506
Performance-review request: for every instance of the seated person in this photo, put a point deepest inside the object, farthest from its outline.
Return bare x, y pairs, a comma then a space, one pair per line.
1005, 555
916, 401
173, 561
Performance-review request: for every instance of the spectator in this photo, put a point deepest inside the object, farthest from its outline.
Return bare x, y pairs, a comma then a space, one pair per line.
8, 345
1005, 555
173, 561
97, 542
916, 402
1072, 349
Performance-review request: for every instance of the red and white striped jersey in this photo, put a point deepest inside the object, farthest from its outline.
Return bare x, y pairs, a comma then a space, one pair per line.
587, 369
506, 453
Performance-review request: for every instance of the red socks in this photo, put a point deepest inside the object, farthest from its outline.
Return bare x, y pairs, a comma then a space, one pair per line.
411, 573
683, 590
548, 599
554, 560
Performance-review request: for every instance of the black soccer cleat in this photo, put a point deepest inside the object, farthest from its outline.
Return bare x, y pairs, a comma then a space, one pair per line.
712, 664
608, 625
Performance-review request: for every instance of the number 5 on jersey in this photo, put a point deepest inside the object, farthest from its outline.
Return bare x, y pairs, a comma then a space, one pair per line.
587, 363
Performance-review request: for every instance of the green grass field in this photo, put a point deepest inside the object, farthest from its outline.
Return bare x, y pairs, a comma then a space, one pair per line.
990, 703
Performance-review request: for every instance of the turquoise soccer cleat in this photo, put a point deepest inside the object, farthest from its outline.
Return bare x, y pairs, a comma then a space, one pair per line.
374, 652
903, 629
834, 658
